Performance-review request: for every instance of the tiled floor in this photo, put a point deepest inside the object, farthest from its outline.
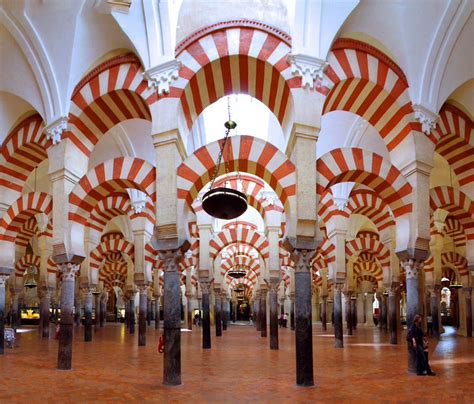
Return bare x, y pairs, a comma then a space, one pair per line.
238, 368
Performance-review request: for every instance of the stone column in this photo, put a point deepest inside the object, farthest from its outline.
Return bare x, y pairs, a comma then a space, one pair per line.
292, 312
324, 312
14, 308
273, 300
68, 271
206, 315
303, 318
127, 311
149, 311
3, 279
354, 312
392, 313
263, 311
369, 309
468, 309
157, 312
258, 323
97, 310
45, 299
348, 312
172, 317
360, 308
413, 297
87, 314
103, 308
142, 307
189, 309
383, 312
132, 313
218, 312
337, 310
434, 308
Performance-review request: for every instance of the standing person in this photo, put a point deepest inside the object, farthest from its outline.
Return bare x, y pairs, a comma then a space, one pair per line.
416, 336
285, 320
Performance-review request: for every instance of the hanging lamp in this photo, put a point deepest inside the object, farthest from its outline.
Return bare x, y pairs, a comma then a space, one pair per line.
224, 202
30, 281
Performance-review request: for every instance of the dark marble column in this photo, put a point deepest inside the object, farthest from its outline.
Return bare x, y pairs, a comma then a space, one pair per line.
224, 312
14, 310
68, 271
258, 324
273, 300
218, 312
383, 312
97, 310
348, 312
392, 313
190, 311
303, 319
324, 312
45, 298
157, 313
468, 304
354, 312
172, 318
132, 313
206, 316
292, 312
263, 311
337, 315
3, 279
103, 309
127, 312
87, 314
434, 306
413, 296
149, 312
142, 313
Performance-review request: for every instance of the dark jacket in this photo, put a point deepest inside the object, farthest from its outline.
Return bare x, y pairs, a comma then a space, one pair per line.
417, 333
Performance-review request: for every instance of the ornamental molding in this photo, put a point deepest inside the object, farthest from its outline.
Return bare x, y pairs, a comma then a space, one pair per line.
309, 68
162, 76
55, 130
426, 117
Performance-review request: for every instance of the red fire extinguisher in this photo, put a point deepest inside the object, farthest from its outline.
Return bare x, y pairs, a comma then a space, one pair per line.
161, 344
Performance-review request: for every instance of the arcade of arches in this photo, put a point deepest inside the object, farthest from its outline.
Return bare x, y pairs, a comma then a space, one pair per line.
354, 145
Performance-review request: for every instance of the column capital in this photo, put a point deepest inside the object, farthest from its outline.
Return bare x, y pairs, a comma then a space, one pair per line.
55, 129
68, 270
163, 75
205, 286
3, 279
426, 117
309, 68
274, 284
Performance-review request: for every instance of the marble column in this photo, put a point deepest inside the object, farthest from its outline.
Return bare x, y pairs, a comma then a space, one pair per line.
434, 309
218, 312
45, 299
189, 309
258, 323
369, 309
303, 318
337, 314
97, 310
206, 315
77, 310
103, 308
354, 312
413, 297
68, 271
383, 312
263, 311
360, 308
149, 312
273, 300
3, 279
292, 311
172, 318
87, 314
157, 312
392, 313
324, 312
14, 309
142, 313
131, 310
348, 312
468, 308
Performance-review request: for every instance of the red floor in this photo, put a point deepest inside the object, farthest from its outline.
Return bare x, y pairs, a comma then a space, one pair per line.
239, 368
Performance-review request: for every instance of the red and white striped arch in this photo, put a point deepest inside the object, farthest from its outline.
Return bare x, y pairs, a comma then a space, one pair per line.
108, 208
369, 169
454, 229
369, 278
21, 211
247, 262
328, 251
22, 151
230, 59
247, 154
327, 209
369, 234
113, 274
367, 203
242, 281
111, 93
27, 231
457, 204
112, 245
454, 141
459, 262
369, 244
245, 236
366, 82
24, 262
108, 178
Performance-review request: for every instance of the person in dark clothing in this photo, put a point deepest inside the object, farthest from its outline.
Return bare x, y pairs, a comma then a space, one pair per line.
416, 336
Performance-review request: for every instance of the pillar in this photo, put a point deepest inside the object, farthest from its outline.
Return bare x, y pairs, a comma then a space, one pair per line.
131, 310
468, 309
435, 297
273, 300
14, 309
263, 311
258, 324
292, 312
337, 313
354, 312
45, 299
348, 312
149, 311
189, 309
392, 313
127, 312
157, 312
172, 318
87, 314
360, 308
142, 313
369, 309
97, 310
383, 312
68, 271
218, 312
3, 280
303, 323
103, 308
324, 312
413, 297
206, 315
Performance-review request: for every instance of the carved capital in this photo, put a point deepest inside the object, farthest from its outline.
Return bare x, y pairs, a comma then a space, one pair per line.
3, 280
307, 67
205, 286
163, 75
171, 259
427, 118
303, 259
68, 271
55, 130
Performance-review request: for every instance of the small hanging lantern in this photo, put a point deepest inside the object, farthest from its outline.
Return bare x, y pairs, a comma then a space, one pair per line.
30, 281
224, 202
